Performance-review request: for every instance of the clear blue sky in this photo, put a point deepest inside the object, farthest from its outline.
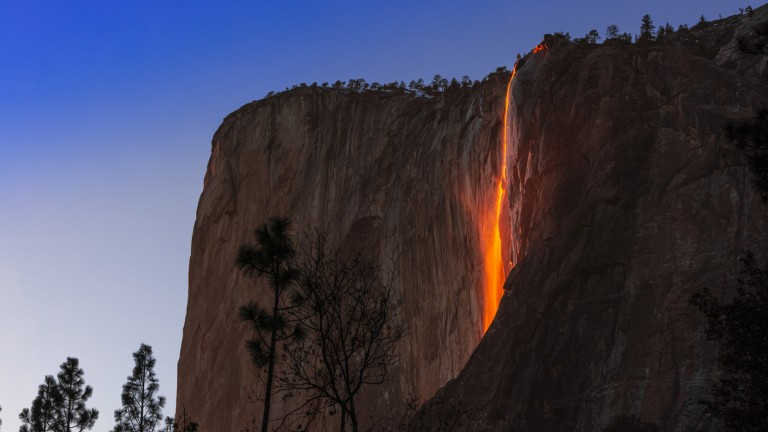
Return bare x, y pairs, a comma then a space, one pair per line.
106, 113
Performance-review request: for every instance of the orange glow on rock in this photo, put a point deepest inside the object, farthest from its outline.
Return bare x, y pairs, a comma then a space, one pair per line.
540, 47
493, 261
490, 233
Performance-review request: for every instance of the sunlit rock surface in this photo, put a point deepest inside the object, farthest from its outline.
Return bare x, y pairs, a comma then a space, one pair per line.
397, 176
626, 198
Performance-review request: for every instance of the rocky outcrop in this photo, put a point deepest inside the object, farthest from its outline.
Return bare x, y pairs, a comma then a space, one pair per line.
626, 198
399, 176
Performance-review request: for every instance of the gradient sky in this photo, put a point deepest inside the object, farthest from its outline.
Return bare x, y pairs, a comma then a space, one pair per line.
107, 109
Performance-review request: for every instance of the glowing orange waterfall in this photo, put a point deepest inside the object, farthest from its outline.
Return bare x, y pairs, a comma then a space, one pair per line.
490, 233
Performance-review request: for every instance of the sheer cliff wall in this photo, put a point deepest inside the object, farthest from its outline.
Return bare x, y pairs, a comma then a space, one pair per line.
626, 198
395, 175
623, 198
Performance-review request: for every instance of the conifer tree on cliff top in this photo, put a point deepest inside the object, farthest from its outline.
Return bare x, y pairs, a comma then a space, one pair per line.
647, 28
142, 409
60, 404
272, 257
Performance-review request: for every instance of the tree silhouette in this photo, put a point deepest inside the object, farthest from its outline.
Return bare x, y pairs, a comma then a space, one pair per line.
612, 31
141, 411
590, 38
60, 404
43, 415
740, 398
183, 424
352, 326
74, 396
646, 30
273, 258
664, 32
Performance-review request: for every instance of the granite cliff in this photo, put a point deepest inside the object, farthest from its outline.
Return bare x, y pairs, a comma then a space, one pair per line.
621, 197
399, 176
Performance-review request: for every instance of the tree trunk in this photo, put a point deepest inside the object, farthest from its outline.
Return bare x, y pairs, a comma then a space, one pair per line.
353, 414
270, 369
343, 422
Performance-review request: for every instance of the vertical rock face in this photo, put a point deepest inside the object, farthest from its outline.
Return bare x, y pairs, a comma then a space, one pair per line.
623, 195
625, 199
397, 176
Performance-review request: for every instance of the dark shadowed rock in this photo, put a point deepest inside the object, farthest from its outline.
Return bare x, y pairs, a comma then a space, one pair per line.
626, 198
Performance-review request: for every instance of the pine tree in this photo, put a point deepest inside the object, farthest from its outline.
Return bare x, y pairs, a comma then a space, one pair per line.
74, 393
141, 411
60, 404
612, 31
646, 29
43, 414
273, 258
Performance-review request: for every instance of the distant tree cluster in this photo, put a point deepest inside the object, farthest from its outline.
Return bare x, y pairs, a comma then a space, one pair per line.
60, 404
590, 38
438, 85
648, 33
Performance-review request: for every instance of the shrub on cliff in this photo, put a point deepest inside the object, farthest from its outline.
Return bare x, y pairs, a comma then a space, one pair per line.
590, 38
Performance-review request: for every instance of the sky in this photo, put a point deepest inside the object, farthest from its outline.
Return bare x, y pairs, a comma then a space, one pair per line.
107, 109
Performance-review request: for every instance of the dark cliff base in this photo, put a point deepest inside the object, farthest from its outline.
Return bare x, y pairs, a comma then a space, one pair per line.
626, 198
